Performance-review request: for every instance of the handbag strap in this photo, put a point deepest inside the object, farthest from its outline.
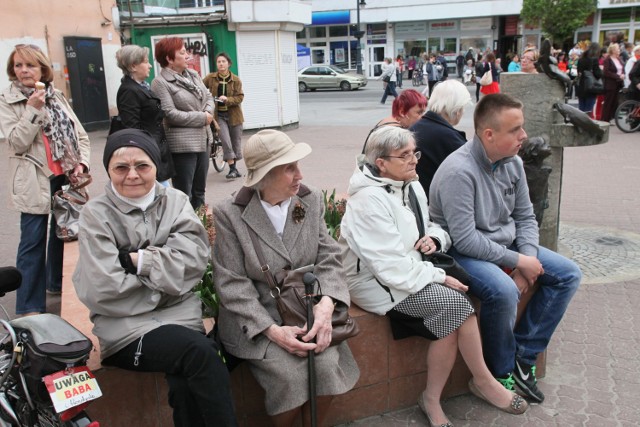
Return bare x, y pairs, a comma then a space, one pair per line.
264, 267
417, 212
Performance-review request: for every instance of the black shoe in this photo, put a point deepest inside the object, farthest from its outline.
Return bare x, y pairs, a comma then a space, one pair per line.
525, 377
233, 174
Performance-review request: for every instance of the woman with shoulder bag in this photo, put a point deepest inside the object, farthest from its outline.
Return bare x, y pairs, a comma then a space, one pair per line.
389, 78
385, 232
289, 220
188, 111
47, 147
588, 62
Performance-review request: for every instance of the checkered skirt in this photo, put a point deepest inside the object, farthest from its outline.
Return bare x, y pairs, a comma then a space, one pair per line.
441, 308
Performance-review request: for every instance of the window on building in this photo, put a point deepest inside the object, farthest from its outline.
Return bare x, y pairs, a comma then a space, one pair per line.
377, 33
317, 32
615, 36
477, 43
615, 15
301, 34
338, 31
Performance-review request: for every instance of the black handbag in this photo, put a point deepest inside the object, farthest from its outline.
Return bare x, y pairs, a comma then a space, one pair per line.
287, 288
590, 84
386, 79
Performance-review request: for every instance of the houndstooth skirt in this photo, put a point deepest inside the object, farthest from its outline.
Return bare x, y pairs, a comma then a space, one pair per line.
441, 308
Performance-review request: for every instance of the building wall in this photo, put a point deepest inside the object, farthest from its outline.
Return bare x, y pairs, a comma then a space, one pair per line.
45, 23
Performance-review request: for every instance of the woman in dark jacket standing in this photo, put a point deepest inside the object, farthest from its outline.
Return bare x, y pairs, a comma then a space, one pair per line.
613, 79
226, 87
139, 107
588, 61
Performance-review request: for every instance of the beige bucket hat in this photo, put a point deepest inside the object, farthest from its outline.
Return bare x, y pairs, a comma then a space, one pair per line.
267, 149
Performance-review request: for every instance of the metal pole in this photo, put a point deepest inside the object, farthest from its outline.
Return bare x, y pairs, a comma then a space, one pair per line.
358, 36
309, 280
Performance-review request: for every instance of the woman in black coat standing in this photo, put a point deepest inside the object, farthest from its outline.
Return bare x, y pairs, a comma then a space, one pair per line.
139, 107
588, 61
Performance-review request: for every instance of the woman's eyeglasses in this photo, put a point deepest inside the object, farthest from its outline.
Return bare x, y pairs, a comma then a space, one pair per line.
123, 169
406, 156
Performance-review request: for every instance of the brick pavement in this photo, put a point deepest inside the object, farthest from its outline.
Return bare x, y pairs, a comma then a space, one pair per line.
592, 367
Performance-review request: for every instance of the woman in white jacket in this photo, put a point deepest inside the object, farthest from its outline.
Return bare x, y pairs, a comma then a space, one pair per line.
382, 256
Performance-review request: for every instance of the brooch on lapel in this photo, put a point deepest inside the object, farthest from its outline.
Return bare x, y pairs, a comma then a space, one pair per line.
298, 213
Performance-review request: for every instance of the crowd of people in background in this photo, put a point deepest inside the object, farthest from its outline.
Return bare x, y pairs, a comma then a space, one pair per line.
613, 64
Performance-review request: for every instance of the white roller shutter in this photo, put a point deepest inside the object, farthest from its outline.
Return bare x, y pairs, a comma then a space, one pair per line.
267, 67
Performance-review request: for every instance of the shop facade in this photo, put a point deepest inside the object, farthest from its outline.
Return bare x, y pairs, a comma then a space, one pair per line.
412, 27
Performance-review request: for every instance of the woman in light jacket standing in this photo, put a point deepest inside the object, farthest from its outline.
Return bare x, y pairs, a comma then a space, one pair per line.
388, 70
47, 147
227, 88
188, 109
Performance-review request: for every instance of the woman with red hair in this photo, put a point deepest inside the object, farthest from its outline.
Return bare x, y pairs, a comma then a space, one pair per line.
188, 112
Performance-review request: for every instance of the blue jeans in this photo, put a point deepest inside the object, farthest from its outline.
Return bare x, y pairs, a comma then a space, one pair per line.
39, 261
586, 103
389, 90
191, 175
502, 340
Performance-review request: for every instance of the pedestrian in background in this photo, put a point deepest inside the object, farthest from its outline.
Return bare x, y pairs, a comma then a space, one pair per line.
139, 107
411, 65
479, 67
588, 61
226, 87
388, 76
188, 108
514, 65
48, 147
399, 70
628, 66
460, 64
613, 79
528, 60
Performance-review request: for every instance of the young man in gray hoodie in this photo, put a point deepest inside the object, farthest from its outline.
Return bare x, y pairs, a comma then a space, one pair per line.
480, 196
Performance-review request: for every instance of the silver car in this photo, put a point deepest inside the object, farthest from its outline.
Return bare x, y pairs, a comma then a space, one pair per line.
328, 77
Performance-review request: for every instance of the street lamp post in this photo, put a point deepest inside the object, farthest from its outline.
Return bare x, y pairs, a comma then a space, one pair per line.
359, 35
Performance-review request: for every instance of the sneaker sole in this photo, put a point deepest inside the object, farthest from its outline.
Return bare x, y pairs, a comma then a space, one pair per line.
527, 391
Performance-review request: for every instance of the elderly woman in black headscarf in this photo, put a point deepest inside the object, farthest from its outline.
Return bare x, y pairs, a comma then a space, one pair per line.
142, 250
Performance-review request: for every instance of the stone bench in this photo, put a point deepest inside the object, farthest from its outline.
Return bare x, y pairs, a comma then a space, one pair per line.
392, 374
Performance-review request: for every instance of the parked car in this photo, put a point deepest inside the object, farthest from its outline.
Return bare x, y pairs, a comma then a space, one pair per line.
328, 77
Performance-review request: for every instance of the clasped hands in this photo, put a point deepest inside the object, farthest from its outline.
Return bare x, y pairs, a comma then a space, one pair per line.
527, 272
297, 340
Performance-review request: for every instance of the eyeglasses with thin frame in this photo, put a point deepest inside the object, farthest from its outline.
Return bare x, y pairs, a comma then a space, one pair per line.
123, 169
406, 156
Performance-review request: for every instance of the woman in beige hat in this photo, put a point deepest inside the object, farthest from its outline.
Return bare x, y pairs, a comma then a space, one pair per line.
288, 217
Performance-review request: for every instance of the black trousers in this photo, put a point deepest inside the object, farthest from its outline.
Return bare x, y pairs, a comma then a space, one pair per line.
199, 386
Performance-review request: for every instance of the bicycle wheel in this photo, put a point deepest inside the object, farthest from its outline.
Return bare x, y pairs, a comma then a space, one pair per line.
628, 116
216, 155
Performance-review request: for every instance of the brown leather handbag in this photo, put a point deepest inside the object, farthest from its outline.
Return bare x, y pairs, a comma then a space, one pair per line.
287, 288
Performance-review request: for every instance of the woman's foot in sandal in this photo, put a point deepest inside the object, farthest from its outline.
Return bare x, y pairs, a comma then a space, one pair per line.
423, 407
512, 404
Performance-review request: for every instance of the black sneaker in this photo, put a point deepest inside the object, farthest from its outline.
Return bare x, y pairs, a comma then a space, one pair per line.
507, 382
525, 377
233, 174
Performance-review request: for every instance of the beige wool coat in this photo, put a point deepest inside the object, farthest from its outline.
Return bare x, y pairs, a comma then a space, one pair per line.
185, 121
247, 308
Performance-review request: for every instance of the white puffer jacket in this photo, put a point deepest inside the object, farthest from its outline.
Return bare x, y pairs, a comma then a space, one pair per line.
378, 233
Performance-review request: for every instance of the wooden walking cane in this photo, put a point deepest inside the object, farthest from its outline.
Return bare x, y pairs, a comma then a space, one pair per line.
309, 279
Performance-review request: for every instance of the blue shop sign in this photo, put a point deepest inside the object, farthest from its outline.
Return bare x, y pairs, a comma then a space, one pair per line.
330, 17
